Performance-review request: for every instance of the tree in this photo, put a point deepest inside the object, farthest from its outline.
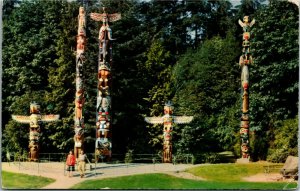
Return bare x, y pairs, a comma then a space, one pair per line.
274, 89
158, 70
218, 20
285, 141
206, 84
61, 79
37, 68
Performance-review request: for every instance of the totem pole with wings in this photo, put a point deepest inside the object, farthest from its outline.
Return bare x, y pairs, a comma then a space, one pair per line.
103, 118
168, 120
244, 62
34, 121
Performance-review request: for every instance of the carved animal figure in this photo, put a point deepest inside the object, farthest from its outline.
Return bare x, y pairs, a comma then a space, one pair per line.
167, 152
78, 140
81, 21
244, 124
103, 129
103, 104
81, 41
33, 151
103, 76
168, 132
79, 101
246, 25
244, 149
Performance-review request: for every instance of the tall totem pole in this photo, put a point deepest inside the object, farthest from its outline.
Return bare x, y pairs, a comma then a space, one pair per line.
34, 120
168, 119
245, 61
79, 95
103, 143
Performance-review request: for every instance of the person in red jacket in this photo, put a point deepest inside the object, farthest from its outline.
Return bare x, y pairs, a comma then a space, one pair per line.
71, 160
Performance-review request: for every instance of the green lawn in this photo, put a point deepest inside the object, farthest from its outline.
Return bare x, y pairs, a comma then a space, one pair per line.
163, 181
227, 172
23, 181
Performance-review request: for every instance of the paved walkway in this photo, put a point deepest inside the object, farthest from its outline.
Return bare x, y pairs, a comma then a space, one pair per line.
56, 171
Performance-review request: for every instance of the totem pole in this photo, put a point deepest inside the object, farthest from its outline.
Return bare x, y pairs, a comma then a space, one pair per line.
168, 119
103, 119
79, 95
34, 120
245, 61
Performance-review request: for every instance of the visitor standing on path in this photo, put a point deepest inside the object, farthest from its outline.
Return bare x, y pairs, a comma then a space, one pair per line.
71, 160
81, 163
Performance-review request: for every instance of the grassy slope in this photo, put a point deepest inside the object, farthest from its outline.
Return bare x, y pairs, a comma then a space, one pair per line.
163, 181
227, 172
22, 181
220, 176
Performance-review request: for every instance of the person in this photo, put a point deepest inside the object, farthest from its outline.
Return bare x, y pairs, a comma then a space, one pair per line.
71, 160
81, 163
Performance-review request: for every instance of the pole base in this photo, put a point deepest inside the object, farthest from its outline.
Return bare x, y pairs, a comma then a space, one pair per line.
243, 160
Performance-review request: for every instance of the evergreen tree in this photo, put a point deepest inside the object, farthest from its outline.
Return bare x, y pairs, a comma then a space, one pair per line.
206, 83
36, 68
274, 79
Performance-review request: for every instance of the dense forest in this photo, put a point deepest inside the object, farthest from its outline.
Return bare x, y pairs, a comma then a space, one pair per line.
183, 51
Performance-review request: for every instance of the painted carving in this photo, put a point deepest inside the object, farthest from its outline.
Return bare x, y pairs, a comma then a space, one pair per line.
168, 119
81, 21
34, 120
79, 95
245, 61
103, 136
103, 76
105, 34
246, 25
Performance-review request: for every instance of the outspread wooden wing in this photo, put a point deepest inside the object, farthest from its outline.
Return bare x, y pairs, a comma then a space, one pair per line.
154, 120
97, 16
182, 119
241, 23
21, 118
252, 22
49, 118
111, 17
114, 17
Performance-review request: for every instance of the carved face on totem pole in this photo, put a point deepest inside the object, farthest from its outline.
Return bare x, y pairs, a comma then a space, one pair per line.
168, 109
34, 152
80, 43
81, 10
78, 137
34, 108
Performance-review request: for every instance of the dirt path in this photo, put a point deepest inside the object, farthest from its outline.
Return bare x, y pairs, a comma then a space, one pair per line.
56, 171
62, 181
262, 177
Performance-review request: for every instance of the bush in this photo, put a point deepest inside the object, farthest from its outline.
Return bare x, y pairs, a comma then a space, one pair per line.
285, 142
277, 155
129, 156
208, 157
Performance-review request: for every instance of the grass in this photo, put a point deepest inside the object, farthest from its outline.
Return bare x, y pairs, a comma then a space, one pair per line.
22, 181
227, 172
163, 181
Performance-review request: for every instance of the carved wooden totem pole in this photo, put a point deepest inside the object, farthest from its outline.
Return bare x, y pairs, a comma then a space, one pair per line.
103, 119
245, 61
168, 119
79, 96
34, 120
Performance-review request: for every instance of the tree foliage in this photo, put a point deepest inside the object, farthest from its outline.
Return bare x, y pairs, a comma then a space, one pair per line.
205, 82
184, 51
274, 89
